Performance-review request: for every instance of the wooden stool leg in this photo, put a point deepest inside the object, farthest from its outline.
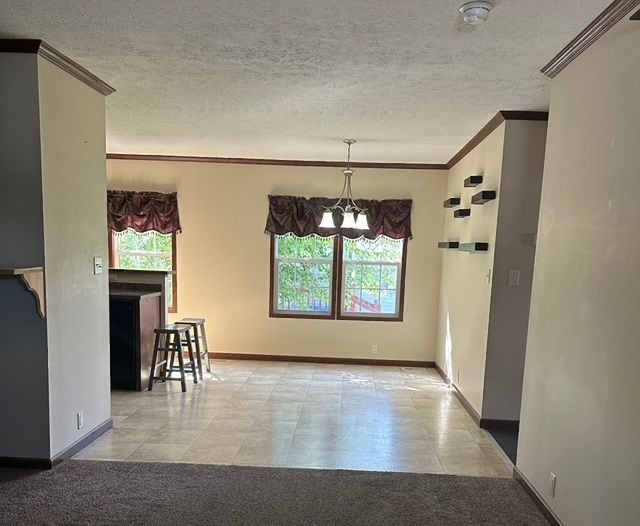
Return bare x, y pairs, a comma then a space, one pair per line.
172, 362
154, 361
191, 358
196, 339
164, 341
183, 381
205, 346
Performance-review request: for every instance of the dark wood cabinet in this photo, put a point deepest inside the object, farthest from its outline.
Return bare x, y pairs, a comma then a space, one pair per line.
133, 317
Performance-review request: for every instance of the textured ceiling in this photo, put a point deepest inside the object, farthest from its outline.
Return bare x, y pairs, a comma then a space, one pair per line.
290, 78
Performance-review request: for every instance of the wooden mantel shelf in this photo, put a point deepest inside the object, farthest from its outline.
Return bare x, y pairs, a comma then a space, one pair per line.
33, 280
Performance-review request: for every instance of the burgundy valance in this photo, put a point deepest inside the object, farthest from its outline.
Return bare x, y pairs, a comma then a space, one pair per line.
143, 211
301, 216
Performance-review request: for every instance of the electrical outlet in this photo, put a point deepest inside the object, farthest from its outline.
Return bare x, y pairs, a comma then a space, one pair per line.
514, 278
97, 265
552, 484
80, 419
374, 349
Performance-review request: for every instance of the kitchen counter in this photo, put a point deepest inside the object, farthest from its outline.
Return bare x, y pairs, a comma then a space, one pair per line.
143, 280
133, 316
133, 294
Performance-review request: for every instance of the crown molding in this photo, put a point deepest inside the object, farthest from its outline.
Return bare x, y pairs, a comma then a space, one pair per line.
614, 12
497, 120
41, 48
273, 162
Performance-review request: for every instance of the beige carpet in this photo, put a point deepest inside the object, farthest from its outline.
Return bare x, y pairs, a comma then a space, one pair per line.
87, 492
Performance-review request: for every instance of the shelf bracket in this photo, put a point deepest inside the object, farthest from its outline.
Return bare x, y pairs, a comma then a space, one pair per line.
33, 281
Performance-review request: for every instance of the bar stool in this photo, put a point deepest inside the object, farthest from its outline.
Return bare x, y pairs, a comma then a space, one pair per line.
170, 340
200, 339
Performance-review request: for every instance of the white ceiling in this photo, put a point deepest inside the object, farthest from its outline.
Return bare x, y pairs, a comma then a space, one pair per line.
290, 78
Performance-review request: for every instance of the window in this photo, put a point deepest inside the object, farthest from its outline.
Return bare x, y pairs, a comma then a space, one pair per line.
146, 251
303, 275
309, 275
371, 277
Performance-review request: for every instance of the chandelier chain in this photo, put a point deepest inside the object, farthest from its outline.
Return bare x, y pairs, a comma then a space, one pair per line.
350, 204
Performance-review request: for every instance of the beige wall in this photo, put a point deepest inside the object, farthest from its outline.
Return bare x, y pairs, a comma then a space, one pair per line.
74, 187
223, 255
483, 321
465, 290
580, 416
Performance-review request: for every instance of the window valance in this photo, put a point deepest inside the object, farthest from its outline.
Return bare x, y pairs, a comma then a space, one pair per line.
301, 216
143, 211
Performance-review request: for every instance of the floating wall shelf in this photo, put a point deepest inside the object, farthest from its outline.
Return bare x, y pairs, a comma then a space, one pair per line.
448, 244
33, 280
462, 212
452, 202
483, 197
473, 247
472, 181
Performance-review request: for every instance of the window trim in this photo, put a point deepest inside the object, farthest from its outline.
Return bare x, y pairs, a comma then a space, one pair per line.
173, 306
336, 291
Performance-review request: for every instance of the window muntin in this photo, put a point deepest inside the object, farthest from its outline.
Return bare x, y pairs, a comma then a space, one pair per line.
371, 277
303, 275
147, 251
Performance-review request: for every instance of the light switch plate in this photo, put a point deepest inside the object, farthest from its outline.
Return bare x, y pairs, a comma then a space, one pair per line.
514, 278
97, 265
552, 484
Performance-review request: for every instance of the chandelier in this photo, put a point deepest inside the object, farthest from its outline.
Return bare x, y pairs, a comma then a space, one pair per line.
352, 215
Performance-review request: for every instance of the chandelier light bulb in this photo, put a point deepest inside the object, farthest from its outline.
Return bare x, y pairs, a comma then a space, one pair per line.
327, 220
348, 220
361, 222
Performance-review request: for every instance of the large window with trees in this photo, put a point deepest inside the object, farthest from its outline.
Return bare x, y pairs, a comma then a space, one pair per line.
146, 251
337, 278
303, 275
371, 277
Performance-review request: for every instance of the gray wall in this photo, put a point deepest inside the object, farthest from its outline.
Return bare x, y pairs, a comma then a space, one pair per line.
24, 408
21, 231
24, 389
521, 184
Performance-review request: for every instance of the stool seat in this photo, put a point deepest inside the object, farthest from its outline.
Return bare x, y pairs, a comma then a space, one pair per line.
199, 321
173, 327
199, 338
170, 340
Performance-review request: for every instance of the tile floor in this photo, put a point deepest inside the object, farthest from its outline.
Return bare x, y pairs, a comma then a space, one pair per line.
302, 415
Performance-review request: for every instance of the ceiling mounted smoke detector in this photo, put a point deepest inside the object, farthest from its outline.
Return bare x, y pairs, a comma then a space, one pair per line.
474, 13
